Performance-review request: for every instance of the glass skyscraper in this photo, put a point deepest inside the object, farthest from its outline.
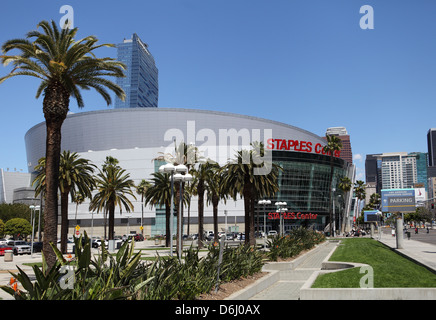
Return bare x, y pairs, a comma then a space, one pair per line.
141, 81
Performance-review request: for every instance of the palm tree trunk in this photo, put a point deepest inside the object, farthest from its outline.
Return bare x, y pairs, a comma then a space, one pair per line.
111, 220
331, 196
167, 223
51, 196
64, 221
215, 201
55, 109
200, 191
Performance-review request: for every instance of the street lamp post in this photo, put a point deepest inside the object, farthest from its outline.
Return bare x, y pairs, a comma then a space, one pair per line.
281, 206
264, 203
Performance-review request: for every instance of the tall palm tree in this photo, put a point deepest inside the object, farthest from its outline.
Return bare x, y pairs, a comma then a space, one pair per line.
64, 66
214, 192
200, 174
75, 176
345, 186
186, 155
239, 178
113, 185
359, 190
334, 144
160, 194
141, 189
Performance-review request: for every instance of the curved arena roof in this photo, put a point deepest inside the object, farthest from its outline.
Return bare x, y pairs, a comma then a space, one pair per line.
154, 127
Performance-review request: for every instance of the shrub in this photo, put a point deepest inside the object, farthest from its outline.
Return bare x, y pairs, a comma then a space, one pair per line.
291, 245
125, 276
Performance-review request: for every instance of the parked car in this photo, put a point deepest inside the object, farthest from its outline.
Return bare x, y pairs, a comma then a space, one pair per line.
4, 247
230, 236
19, 246
97, 243
3, 242
240, 236
139, 237
272, 233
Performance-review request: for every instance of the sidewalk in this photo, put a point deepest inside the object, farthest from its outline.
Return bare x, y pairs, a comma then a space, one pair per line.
293, 278
422, 252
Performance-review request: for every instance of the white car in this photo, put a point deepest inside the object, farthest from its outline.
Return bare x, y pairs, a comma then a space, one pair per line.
3, 242
272, 233
19, 247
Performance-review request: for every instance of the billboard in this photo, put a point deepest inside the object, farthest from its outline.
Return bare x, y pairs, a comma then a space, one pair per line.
398, 200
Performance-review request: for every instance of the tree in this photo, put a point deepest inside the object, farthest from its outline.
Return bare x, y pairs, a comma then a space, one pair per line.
141, 189
160, 194
75, 176
64, 66
200, 174
239, 177
18, 228
345, 185
333, 146
2, 228
214, 192
359, 190
113, 185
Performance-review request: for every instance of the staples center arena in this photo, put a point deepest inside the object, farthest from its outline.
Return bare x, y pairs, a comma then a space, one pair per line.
137, 136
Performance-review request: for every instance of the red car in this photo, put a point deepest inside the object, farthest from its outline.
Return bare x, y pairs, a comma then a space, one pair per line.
3, 248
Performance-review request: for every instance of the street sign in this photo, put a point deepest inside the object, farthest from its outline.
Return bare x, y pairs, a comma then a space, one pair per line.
77, 228
371, 216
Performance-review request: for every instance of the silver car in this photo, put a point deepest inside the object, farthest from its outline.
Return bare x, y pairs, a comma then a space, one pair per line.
20, 247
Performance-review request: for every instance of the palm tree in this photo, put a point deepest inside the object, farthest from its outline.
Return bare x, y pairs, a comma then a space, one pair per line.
64, 66
239, 178
113, 185
75, 176
359, 190
345, 186
141, 189
200, 175
186, 155
334, 144
214, 192
160, 194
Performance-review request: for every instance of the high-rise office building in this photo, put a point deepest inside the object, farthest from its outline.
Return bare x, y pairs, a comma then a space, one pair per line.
141, 81
431, 143
342, 134
397, 170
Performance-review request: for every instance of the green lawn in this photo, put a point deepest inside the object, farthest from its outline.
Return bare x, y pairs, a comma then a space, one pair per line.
390, 269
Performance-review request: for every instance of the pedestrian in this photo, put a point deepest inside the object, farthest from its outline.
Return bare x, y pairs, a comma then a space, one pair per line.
428, 231
416, 230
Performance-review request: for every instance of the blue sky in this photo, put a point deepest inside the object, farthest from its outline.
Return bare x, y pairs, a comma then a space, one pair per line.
303, 62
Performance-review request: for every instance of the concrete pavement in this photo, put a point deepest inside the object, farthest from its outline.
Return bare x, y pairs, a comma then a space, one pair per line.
293, 275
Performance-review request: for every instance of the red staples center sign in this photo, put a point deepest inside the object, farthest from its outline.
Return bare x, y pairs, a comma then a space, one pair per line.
299, 146
292, 215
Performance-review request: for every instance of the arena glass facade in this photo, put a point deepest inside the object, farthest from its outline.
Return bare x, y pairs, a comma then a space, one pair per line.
136, 136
